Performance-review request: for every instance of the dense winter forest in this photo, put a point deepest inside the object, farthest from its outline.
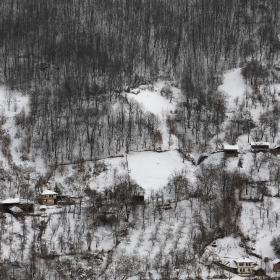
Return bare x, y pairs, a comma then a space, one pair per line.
74, 58
77, 61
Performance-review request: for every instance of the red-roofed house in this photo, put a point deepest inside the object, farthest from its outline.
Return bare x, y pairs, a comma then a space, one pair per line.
276, 150
276, 265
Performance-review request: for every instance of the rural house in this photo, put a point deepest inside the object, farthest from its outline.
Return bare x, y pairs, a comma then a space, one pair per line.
230, 150
276, 265
9, 202
245, 266
139, 197
259, 147
64, 200
48, 198
276, 150
23, 204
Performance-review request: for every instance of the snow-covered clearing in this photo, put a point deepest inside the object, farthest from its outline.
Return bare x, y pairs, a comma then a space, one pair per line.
12, 103
149, 169
153, 101
234, 88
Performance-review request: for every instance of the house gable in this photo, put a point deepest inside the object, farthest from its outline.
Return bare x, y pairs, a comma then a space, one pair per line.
245, 266
48, 198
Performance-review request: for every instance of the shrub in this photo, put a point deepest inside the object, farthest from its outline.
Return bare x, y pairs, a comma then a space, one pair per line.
275, 243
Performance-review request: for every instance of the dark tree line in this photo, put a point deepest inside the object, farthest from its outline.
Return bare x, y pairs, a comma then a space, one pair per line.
77, 56
87, 127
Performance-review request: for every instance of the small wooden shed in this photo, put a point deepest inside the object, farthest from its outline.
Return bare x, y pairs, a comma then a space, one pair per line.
230, 150
276, 150
23, 204
138, 199
260, 146
276, 265
9, 202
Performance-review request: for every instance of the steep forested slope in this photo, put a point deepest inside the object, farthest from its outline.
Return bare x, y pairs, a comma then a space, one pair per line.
85, 66
78, 55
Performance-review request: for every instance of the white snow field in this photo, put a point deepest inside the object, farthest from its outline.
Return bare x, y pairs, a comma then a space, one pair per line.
149, 169
234, 88
154, 102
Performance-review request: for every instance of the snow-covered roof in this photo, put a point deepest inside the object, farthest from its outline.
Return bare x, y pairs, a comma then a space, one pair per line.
15, 209
48, 192
16, 200
276, 147
260, 143
247, 260
230, 147
25, 201
11, 200
229, 263
276, 261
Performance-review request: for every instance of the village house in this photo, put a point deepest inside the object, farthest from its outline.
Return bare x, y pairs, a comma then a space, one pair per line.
276, 265
277, 67
23, 204
230, 150
9, 202
139, 197
260, 146
48, 198
245, 266
64, 200
276, 150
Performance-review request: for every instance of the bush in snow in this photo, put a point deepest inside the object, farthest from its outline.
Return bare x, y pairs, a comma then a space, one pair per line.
275, 243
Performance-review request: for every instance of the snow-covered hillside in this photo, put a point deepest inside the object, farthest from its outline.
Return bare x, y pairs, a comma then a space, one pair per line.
165, 229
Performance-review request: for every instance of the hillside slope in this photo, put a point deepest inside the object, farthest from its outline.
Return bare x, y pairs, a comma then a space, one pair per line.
106, 235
